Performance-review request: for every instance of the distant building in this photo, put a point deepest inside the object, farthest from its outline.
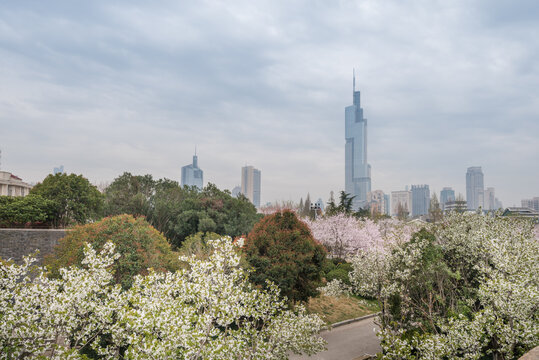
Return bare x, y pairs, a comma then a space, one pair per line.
250, 184
319, 204
357, 172
447, 194
387, 209
489, 200
11, 185
236, 191
401, 199
522, 212
192, 175
455, 205
58, 170
474, 188
531, 203
420, 200
377, 202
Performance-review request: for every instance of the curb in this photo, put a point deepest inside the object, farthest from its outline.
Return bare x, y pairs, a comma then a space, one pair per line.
349, 321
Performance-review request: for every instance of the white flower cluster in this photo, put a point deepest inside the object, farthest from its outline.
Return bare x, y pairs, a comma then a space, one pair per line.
335, 288
505, 319
208, 311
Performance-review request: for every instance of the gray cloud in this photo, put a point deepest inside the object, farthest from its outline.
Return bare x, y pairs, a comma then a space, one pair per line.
105, 87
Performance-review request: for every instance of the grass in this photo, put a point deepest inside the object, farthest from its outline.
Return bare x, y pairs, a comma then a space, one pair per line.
333, 310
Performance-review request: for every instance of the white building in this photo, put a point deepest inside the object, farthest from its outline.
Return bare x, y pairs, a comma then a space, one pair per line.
377, 202
11, 185
404, 198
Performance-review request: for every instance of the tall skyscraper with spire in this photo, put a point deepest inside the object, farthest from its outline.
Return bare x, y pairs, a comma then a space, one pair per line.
192, 175
357, 171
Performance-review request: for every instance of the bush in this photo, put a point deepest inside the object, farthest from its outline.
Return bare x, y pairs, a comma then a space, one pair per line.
140, 247
281, 249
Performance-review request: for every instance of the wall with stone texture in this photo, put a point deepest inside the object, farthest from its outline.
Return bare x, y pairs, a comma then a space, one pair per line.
16, 243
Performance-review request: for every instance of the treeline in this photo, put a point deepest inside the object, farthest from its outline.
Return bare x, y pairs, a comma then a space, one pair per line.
63, 200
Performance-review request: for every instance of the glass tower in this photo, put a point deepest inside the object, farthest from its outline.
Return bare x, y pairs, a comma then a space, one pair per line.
474, 187
192, 175
357, 171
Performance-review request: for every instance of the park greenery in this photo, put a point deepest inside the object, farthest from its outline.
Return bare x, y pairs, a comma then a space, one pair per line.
208, 310
139, 245
280, 248
179, 212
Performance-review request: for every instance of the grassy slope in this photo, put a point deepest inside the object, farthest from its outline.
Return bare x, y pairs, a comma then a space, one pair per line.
333, 310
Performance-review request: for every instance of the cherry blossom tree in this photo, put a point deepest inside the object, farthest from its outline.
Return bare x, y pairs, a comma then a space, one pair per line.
207, 311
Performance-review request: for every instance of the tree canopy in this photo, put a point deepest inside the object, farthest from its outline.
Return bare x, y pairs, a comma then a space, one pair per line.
75, 199
140, 247
179, 212
281, 249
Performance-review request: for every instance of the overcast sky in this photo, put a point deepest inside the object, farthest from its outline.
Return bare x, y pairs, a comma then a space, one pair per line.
104, 87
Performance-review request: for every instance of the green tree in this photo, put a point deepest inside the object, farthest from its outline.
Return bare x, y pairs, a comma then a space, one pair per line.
30, 210
282, 249
75, 199
139, 244
435, 212
130, 194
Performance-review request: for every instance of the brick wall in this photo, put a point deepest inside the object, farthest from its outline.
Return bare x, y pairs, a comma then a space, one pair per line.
16, 243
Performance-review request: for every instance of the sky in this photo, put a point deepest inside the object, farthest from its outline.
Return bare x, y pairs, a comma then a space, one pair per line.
104, 87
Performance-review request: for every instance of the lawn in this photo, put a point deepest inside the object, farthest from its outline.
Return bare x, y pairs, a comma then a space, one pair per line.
333, 310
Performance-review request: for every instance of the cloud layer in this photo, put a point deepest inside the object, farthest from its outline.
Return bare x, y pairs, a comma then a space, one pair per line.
105, 87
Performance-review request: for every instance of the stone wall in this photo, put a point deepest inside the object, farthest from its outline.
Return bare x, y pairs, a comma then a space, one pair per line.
16, 243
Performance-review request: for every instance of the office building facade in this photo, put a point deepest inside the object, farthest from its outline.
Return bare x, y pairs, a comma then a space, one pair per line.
192, 175
475, 193
357, 171
420, 200
401, 200
250, 184
446, 195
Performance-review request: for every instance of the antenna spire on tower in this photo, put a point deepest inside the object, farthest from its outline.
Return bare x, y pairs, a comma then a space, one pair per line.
354, 78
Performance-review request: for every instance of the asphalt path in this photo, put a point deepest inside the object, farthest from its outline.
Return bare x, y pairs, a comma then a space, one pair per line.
348, 342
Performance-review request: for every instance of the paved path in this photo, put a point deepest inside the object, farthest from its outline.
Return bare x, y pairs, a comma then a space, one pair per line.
348, 342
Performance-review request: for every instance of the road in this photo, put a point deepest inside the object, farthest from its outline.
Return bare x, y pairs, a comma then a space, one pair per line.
348, 342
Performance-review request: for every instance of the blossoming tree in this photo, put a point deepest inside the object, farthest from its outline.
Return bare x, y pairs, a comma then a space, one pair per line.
207, 311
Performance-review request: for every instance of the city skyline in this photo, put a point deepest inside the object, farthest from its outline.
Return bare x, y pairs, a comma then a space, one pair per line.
104, 88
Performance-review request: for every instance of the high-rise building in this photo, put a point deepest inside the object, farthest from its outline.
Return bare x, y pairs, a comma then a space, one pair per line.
489, 199
192, 175
250, 184
531, 203
58, 170
475, 188
401, 201
357, 171
447, 194
420, 200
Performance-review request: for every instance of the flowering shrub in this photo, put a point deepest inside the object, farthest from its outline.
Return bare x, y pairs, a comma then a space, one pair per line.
335, 288
207, 311
467, 288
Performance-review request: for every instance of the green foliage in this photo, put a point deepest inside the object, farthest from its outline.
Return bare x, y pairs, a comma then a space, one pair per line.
31, 210
337, 269
281, 249
75, 199
198, 245
179, 212
140, 247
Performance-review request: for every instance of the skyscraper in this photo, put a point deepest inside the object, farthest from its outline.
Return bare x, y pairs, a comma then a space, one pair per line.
489, 199
446, 195
357, 171
250, 184
192, 175
474, 187
420, 200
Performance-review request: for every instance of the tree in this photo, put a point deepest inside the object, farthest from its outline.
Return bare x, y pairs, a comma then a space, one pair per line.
140, 247
467, 287
281, 249
30, 210
130, 194
435, 212
75, 199
402, 212
208, 310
